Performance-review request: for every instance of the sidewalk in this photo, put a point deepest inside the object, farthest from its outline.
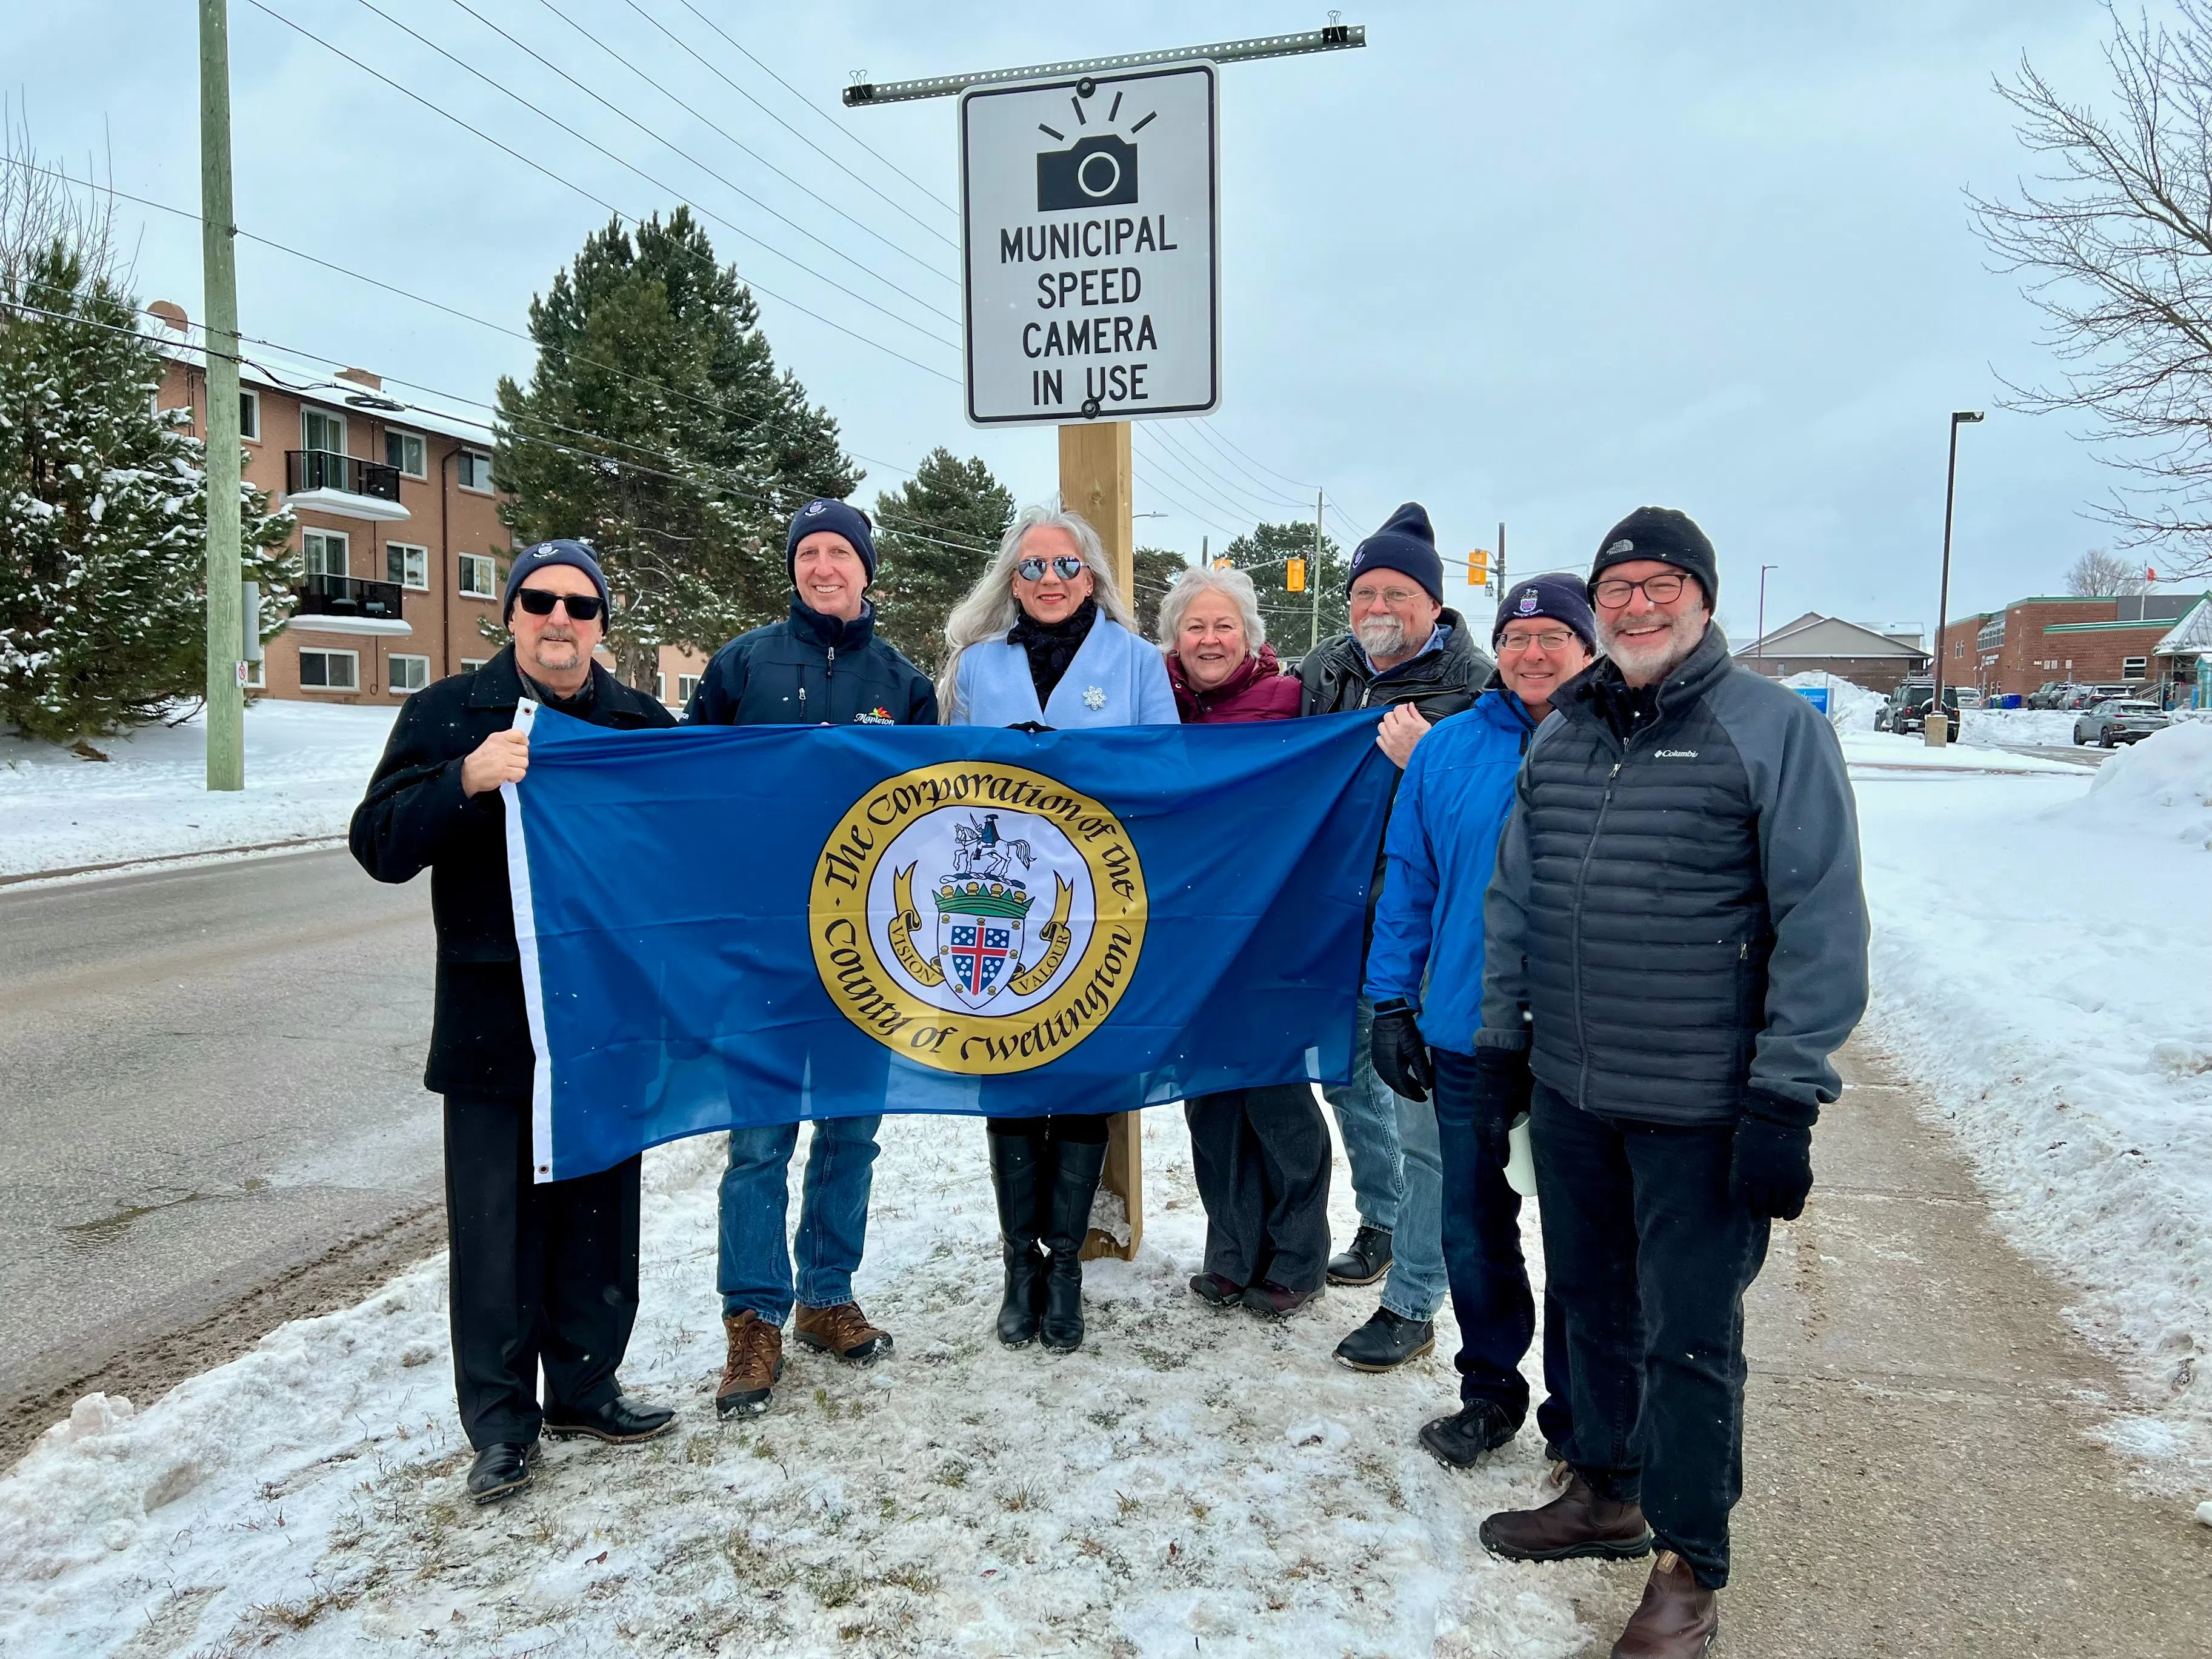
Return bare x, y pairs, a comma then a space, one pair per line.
1920, 1477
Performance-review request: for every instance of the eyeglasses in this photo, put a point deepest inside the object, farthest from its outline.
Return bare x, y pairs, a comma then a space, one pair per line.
1550, 640
1388, 596
1664, 589
1032, 570
538, 602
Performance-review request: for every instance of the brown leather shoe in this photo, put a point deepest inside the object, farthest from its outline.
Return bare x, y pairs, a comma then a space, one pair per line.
756, 1361
1677, 1619
1576, 1524
843, 1330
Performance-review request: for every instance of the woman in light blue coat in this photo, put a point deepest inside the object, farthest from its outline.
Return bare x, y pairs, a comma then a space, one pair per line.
1044, 641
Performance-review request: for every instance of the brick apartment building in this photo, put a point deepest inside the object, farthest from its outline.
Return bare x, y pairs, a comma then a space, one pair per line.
1879, 659
2110, 640
399, 532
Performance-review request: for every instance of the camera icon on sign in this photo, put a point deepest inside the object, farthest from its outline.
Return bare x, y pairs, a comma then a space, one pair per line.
1095, 172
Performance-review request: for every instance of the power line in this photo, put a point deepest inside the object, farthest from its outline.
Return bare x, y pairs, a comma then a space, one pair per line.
1158, 459
720, 178
569, 184
1216, 445
1228, 488
667, 189
851, 137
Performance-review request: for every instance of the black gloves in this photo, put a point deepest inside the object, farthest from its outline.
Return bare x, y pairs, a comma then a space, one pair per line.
1772, 1167
1401, 1059
1503, 1082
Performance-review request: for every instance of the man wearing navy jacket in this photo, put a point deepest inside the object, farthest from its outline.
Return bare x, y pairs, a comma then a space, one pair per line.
1424, 978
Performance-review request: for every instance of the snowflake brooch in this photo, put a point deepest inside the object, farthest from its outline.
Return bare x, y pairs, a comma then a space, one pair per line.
1093, 697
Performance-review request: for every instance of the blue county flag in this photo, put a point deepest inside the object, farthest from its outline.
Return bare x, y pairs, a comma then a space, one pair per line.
730, 925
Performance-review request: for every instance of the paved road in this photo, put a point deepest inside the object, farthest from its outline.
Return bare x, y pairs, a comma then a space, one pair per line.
212, 1116
1919, 1478
2089, 757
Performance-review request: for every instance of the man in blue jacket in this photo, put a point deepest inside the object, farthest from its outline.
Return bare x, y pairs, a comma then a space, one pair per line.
1675, 946
822, 666
1424, 978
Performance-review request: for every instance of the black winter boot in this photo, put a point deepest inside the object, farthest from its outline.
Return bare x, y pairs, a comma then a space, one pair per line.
1074, 1183
1017, 1178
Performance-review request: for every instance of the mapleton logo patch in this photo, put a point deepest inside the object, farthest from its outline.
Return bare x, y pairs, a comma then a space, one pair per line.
977, 918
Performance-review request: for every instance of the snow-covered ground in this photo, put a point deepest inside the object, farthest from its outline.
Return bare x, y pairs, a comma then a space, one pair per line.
305, 767
1188, 1477
2043, 963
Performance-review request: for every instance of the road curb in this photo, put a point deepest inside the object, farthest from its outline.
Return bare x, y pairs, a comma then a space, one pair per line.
152, 860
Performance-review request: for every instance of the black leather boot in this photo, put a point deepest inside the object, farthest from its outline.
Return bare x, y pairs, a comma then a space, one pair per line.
1017, 1170
1067, 1223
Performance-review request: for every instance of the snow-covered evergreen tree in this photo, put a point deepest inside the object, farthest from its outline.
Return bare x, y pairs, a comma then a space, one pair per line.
103, 515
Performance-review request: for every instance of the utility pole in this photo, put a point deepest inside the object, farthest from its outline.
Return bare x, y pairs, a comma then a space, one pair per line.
1759, 645
1313, 581
1500, 577
1936, 731
226, 695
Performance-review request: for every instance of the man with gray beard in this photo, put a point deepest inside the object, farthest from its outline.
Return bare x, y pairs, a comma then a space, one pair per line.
1408, 651
1676, 945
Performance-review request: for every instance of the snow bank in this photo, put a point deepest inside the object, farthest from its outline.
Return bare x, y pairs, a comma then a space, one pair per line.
1850, 707
2043, 976
2045, 727
2160, 786
305, 767
1190, 1477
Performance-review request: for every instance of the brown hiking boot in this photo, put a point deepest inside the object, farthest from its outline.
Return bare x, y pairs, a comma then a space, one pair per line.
1677, 1619
1577, 1522
755, 1362
843, 1330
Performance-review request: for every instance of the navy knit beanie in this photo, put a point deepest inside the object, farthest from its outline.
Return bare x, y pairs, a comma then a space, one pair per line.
574, 555
1661, 533
1406, 543
841, 516
1558, 598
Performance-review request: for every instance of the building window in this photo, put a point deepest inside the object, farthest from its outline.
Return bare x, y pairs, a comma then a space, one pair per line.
476, 471
326, 552
249, 416
2135, 668
408, 566
409, 673
469, 664
321, 429
685, 685
406, 452
330, 671
479, 576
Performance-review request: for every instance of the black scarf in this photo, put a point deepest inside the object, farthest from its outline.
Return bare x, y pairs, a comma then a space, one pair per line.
1051, 647
576, 707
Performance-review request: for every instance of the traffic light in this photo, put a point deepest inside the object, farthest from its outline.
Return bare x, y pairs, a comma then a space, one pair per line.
1478, 568
1225, 563
1294, 576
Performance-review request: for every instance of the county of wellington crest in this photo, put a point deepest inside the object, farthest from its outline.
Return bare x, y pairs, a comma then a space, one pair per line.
977, 917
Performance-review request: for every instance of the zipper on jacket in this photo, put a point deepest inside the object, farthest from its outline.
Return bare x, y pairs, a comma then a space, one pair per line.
1575, 922
828, 686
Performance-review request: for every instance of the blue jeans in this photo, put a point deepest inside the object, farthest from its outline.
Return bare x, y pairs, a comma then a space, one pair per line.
1650, 1253
833, 1216
1491, 1298
1397, 1176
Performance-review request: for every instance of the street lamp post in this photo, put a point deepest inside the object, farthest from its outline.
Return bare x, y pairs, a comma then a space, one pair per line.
1759, 645
1958, 419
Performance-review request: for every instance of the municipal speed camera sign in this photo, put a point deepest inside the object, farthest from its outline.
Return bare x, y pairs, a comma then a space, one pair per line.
1090, 220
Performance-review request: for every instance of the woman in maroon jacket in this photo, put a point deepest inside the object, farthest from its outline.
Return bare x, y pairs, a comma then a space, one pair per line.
1261, 1156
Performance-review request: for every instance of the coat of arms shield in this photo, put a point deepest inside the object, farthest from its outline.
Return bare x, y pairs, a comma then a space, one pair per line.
980, 928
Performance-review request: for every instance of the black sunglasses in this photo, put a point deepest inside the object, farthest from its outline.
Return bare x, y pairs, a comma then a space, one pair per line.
585, 607
1068, 564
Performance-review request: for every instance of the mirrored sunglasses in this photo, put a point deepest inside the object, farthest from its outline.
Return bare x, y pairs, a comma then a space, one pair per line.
1031, 570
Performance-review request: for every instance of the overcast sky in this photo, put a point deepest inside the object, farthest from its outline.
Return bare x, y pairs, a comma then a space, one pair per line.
1540, 263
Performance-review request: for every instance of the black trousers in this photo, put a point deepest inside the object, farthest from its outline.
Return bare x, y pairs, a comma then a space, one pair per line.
1083, 1129
539, 1275
1650, 1254
1262, 1157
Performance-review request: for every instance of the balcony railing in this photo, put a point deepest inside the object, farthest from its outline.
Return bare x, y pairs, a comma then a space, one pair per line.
349, 596
318, 469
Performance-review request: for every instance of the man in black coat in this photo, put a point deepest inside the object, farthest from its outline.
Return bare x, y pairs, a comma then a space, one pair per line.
1408, 651
1676, 947
540, 1274
822, 666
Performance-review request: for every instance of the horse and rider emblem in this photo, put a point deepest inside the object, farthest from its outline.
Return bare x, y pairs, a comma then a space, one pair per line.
982, 918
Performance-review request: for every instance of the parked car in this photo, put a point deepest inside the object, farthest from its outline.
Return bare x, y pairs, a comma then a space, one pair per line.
2088, 697
2119, 719
1906, 709
1969, 697
2049, 694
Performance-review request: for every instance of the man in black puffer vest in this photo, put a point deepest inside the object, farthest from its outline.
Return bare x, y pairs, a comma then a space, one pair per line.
1677, 945
822, 666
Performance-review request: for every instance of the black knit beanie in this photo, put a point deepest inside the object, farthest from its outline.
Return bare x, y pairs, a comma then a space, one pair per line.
1664, 534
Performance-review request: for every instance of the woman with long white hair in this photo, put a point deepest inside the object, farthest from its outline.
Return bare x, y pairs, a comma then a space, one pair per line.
1045, 640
